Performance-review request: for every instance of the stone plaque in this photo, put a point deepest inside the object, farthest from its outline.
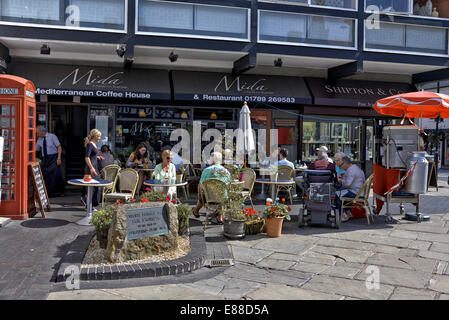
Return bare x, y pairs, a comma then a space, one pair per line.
146, 222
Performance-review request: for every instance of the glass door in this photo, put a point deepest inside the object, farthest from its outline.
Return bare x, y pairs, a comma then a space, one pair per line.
8, 166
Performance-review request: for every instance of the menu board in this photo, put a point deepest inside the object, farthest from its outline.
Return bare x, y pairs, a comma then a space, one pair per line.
39, 187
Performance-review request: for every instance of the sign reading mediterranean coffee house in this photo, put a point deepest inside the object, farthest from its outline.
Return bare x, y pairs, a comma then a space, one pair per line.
354, 93
66, 80
219, 87
146, 222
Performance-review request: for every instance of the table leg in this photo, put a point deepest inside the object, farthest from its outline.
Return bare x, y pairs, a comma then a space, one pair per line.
86, 221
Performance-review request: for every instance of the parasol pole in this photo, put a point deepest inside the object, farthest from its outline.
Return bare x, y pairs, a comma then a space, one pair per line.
437, 153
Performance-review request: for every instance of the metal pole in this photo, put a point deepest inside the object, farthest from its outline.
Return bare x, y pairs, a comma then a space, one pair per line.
437, 139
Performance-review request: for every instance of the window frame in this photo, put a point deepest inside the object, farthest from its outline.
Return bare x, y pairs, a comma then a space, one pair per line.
309, 4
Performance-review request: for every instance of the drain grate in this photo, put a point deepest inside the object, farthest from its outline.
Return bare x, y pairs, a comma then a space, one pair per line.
220, 263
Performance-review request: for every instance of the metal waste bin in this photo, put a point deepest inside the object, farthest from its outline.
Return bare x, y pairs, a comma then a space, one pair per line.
416, 183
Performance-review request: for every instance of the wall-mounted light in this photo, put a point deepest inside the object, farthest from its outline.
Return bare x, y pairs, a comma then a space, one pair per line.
173, 57
278, 62
213, 116
76, 99
45, 49
142, 114
184, 115
120, 50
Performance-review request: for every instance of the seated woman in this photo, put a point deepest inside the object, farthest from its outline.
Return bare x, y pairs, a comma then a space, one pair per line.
139, 160
166, 170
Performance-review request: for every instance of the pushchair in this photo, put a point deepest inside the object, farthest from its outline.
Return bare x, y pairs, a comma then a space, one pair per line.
319, 206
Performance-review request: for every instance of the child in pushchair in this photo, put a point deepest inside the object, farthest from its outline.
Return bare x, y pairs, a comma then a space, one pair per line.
319, 199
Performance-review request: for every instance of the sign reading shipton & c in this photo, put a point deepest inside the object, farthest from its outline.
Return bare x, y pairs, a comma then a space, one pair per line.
146, 222
92, 81
219, 87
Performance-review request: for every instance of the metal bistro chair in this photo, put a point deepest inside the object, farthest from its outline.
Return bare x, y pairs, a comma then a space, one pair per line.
127, 180
213, 193
285, 173
109, 173
360, 201
249, 178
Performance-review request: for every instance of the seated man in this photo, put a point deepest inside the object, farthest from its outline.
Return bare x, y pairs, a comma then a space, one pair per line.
216, 171
352, 181
323, 162
283, 159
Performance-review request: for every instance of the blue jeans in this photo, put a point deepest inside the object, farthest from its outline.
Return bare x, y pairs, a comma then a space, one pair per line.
348, 194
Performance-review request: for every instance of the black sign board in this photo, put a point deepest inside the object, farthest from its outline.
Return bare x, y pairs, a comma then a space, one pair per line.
353, 93
40, 190
222, 87
146, 222
91, 81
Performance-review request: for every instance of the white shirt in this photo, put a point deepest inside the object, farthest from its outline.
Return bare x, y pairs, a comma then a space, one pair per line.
353, 179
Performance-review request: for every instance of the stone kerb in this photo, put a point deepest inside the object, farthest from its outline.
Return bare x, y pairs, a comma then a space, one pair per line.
120, 249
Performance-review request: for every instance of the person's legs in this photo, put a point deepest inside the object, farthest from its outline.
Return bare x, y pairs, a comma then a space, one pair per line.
95, 197
347, 213
139, 184
199, 204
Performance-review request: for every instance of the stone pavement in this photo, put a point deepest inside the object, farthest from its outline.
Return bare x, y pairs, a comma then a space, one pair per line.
304, 263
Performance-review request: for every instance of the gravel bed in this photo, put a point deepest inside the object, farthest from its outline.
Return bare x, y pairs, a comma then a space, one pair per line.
95, 256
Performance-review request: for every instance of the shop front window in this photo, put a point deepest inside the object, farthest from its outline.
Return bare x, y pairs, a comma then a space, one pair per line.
102, 118
337, 136
172, 113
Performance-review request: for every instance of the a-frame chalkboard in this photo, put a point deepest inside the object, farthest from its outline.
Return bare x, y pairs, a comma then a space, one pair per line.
40, 190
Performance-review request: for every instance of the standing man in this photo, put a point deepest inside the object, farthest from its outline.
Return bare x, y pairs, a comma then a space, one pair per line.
51, 151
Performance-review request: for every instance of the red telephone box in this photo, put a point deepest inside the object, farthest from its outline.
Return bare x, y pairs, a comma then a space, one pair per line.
17, 127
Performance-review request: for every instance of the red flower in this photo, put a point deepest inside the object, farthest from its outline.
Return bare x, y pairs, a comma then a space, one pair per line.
173, 201
289, 209
283, 199
159, 201
144, 200
260, 211
167, 199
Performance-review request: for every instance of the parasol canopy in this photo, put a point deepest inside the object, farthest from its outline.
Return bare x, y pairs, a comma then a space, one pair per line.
245, 137
420, 104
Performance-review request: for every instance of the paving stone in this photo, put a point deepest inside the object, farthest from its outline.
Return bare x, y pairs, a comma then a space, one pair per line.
347, 287
439, 283
408, 252
401, 293
285, 256
341, 271
238, 289
439, 247
346, 244
424, 227
420, 245
89, 294
318, 258
405, 262
284, 245
433, 255
386, 249
444, 297
399, 277
283, 292
248, 241
249, 255
434, 237
275, 264
349, 255
309, 267
404, 234
441, 267
161, 292
396, 242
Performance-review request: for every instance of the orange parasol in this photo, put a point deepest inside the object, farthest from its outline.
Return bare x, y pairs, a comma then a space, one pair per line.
420, 104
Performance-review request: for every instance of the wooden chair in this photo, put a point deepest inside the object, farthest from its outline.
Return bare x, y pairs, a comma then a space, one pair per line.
285, 173
127, 180
213, 192
249, 178
360, 201
109, 173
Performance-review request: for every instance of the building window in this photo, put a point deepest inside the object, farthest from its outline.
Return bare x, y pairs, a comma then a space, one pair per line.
102, 14
344, 4
398, 6
134, 112
343, 136
409, 38
299, 28
192, 19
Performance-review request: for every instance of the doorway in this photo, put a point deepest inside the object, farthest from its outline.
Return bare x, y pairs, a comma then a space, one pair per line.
69, 124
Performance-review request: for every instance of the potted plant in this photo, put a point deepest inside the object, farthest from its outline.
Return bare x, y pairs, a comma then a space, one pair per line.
254, 223
155, 196
184, 211
179, 174
274, 215
102, 220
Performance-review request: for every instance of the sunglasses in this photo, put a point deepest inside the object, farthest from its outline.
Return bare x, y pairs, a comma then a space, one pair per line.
168, 158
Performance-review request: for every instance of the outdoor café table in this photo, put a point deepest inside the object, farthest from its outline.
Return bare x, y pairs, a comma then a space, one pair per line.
166, 183
97, 182
273, 183
263, 172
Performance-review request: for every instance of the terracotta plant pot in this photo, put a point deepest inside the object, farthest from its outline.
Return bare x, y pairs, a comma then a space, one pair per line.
102, 237
274, 227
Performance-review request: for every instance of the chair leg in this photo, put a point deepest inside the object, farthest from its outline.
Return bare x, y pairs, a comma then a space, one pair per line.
290, 194
367, 213
185, 193
250, 199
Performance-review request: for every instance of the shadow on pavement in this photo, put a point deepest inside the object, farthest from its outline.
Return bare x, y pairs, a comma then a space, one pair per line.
44, 223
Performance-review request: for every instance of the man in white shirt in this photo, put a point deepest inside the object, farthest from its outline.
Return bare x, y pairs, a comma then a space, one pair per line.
352, 182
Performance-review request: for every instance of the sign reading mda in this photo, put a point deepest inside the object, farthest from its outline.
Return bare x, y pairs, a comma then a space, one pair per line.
146, 222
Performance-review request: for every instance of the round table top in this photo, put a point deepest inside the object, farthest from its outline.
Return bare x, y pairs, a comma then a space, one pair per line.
269, 181
82, 183
165, 183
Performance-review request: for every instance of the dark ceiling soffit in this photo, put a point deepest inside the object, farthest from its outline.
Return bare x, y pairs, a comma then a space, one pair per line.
405, 58
4, 53
345, 70
307, 51
245, 63
428, 76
